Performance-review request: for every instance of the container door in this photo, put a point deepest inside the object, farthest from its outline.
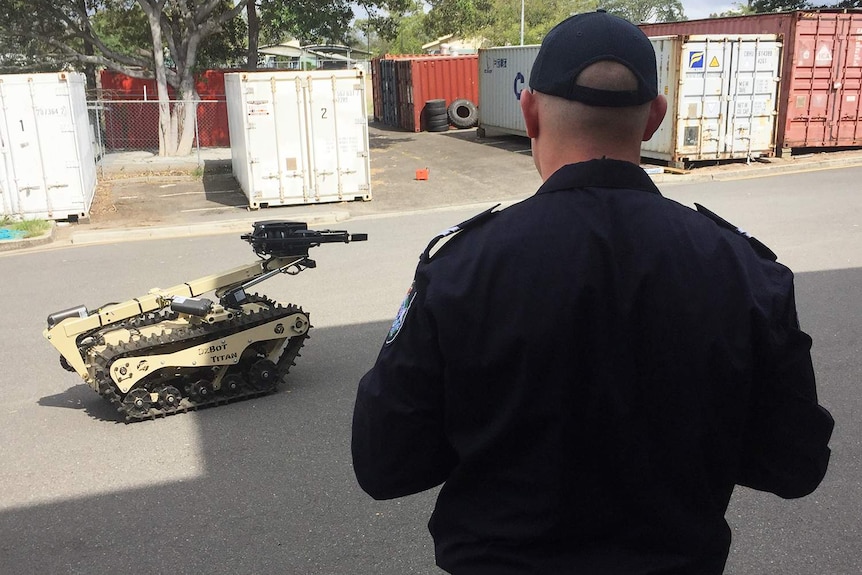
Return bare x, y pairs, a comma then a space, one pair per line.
823, 107
273, 110
753, 97
338, 134
662, 145
702, 102
8, 189
846, 125
727, 98
388, 92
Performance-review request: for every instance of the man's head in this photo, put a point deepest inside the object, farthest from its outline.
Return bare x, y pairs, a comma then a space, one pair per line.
593, 90
575, 43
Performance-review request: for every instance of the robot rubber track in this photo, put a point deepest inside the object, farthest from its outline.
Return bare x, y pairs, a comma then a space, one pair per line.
191, 389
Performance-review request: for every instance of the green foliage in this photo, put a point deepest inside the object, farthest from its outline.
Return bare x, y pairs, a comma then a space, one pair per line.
499, 21
638, 11
310, 21
124, 29
409, 39
539, 18
738, 9
762, 6
460, 17
31, 228
329, 21
227, 48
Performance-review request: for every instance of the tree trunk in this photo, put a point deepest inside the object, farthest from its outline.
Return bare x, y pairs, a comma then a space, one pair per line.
167, 144
89, 68
185, 116
253, 35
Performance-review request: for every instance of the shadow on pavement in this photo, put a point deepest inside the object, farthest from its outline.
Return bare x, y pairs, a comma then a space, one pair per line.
83, 398
274, 491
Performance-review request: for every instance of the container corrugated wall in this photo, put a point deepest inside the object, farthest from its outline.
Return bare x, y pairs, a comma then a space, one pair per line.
299, 137
406, 82
503, 73
48, 163
722, 94
821, 77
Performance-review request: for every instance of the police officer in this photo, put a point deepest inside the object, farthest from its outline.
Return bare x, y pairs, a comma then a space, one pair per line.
590, 372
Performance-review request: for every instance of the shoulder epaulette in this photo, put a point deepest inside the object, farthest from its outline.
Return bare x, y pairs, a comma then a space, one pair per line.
465, 225
759, 247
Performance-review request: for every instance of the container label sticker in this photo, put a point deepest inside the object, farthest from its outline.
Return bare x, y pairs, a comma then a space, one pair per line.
695, 59
491, 63
714, 62
824, 54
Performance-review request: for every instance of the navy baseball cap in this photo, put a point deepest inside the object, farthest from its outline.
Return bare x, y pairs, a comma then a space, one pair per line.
585, 39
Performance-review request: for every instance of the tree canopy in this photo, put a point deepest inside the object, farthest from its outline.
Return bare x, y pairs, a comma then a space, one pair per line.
638, 11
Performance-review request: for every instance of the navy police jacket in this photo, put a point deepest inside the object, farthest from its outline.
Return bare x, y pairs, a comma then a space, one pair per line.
589, 373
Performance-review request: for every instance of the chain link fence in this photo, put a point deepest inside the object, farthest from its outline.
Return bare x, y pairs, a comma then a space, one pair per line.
133, 125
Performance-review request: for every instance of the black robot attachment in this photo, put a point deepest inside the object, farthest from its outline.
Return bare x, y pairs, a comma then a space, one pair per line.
281, 239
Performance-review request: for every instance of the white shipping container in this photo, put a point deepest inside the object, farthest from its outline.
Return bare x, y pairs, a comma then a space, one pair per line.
503, 73
722, 93
299, 137
47, 156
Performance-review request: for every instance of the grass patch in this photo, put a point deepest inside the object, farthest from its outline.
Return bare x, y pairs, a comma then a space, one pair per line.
30, 228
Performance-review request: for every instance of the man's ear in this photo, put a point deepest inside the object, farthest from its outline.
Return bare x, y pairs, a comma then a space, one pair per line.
529, 108
657, 110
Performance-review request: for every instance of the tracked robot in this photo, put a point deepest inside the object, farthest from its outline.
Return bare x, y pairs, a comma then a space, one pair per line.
173, 350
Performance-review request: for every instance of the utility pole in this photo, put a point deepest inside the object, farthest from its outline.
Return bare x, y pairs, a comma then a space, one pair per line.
522, 21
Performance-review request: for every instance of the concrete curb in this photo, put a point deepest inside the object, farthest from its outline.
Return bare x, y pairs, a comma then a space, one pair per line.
82, 237
760, 170
24, 243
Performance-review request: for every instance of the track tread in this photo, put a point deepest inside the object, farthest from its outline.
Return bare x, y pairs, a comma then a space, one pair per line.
193, 335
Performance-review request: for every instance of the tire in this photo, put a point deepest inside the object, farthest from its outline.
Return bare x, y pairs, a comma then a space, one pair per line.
438, 123
463, 113
435, 106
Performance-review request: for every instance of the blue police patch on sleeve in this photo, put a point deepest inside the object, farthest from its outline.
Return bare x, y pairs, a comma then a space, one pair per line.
401, 316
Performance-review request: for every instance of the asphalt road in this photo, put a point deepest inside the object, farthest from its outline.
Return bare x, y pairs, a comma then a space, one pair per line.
266, 486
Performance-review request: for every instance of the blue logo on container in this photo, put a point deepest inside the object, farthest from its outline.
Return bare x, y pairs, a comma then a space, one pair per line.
519, 81
695, 59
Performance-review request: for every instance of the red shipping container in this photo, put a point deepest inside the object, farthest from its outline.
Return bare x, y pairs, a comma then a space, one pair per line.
419, 78
821, 78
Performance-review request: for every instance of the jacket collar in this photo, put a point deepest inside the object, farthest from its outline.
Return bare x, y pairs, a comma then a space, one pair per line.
602, 173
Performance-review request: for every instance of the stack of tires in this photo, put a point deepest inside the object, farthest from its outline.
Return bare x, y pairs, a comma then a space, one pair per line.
461, 113
436, 116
